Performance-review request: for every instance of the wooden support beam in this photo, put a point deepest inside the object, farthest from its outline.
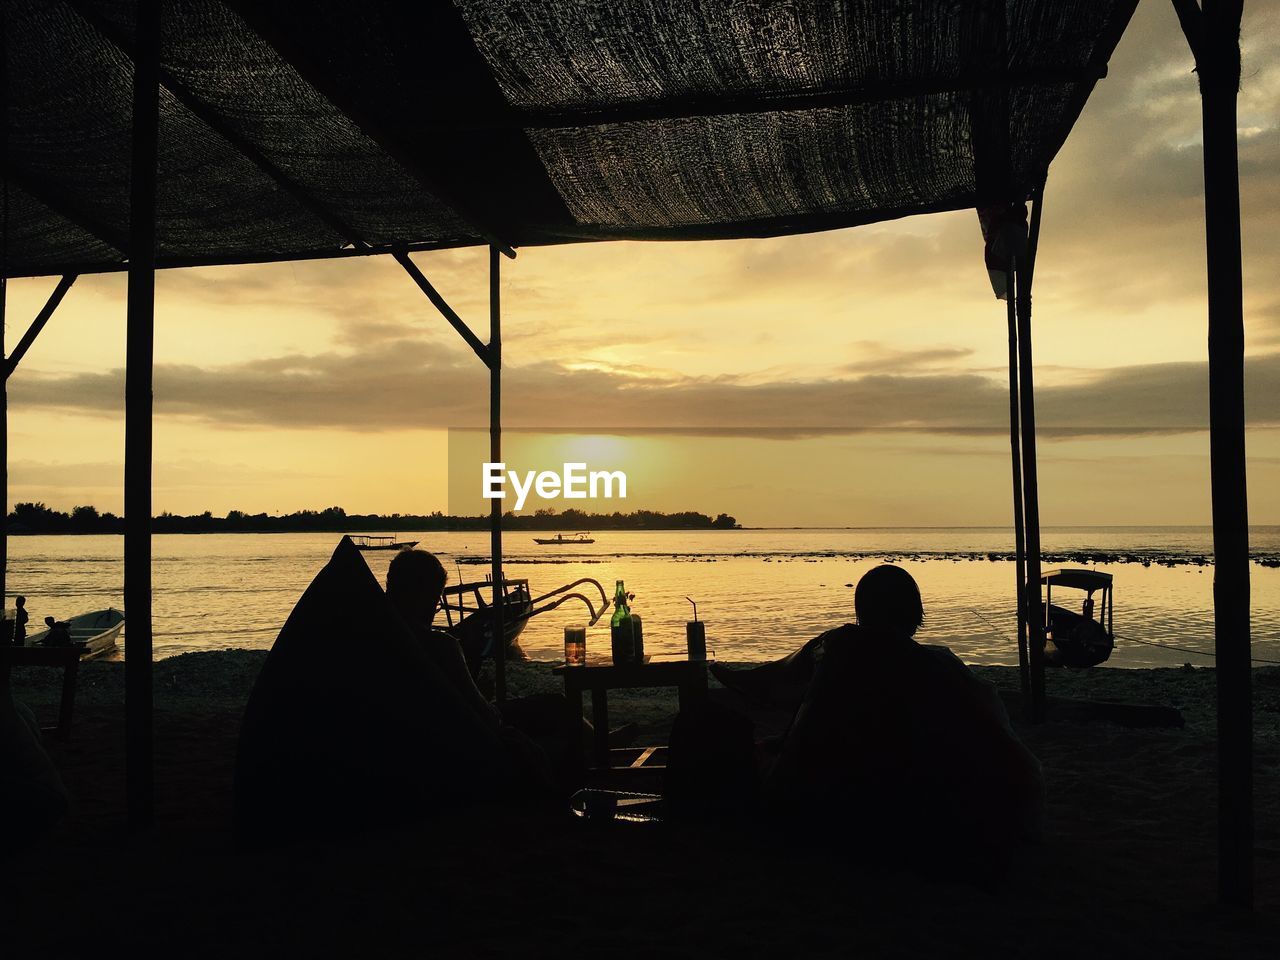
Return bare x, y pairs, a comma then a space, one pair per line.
1213, 34
680, 108
4, 459
286, 45
8, 365
44, 195
495, 456
4, 382
1033, 604
218, 124
474, 342
1019, 530
139, 354
33, 331
337, 253
989, 116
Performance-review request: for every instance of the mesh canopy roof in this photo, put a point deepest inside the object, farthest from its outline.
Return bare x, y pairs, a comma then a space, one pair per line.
308, 128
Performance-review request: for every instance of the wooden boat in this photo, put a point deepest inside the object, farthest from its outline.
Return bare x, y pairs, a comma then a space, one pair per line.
561, 540
468, 616
1078, 639
382, 543
95, 633
468, 612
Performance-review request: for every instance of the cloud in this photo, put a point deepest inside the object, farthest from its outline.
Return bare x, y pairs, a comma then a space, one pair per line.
878, 358
64, 476
409, 384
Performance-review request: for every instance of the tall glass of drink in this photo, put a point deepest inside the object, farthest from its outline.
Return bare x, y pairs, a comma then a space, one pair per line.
575, 646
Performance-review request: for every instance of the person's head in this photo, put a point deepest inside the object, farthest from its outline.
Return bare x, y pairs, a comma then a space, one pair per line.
887, 599
415, 581
20, 601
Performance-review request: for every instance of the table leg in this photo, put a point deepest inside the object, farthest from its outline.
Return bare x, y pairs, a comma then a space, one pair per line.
67, 705
600, 720
573, 731
693, 688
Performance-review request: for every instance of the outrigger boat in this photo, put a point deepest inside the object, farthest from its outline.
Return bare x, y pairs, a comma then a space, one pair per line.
561, 540
95, 633
469, 618
1077, 639
382, 543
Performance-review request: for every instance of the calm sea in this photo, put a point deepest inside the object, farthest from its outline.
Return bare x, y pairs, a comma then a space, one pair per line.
761, 592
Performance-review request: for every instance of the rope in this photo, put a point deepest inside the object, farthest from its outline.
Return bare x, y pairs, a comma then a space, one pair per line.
1202, 653
1149, 643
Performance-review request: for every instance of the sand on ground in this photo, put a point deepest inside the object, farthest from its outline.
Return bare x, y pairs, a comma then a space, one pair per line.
1128, 865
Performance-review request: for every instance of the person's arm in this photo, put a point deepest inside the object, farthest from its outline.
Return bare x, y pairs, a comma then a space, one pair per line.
448, 656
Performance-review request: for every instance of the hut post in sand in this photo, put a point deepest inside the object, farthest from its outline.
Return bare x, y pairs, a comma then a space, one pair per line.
495, 456
1015, 446
1033, 606
1213, 34
139, 359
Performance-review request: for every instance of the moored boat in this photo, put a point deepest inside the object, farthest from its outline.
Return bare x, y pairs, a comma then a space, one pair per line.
95, 633
561, 540
1079, 639
382, 543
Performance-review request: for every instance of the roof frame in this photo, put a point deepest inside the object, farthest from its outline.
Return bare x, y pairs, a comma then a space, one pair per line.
485, 353
680, 108
218, 125
286, 183
10, 363
319, 78
100, 231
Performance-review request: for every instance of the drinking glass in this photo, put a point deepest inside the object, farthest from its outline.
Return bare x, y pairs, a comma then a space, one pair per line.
575, 646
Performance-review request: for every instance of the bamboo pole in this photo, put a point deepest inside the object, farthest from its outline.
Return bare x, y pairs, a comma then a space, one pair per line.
7, 366
1213, 33
1030, 479
1019, 533
495, 456
4, 459
37, 325
139, 353
4, 302
446, 311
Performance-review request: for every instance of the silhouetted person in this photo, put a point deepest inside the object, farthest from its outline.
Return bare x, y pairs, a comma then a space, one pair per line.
21, 619
59, 634
899, 748
415, 584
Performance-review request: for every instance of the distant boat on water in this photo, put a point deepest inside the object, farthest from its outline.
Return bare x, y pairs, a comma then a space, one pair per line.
95, 633
383, 543
561, 540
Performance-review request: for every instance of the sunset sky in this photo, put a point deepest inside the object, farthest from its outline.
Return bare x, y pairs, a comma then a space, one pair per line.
855, 377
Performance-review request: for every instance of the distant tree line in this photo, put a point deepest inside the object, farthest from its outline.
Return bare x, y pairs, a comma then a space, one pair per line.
37, 518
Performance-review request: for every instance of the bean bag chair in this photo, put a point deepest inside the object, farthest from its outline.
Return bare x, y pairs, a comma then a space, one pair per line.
350, 725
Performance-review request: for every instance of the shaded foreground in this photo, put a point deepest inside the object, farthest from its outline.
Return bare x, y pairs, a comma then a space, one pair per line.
1128, 864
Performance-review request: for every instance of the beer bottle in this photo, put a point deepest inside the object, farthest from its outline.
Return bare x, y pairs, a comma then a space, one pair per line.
620, 627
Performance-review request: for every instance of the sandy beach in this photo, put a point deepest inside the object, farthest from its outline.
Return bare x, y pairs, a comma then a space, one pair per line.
1127, 865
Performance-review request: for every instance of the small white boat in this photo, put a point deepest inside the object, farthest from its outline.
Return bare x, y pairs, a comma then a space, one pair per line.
382, 543
561, 540
95, 633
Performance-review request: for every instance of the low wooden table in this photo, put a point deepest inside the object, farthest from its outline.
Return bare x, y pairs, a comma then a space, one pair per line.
600, 676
